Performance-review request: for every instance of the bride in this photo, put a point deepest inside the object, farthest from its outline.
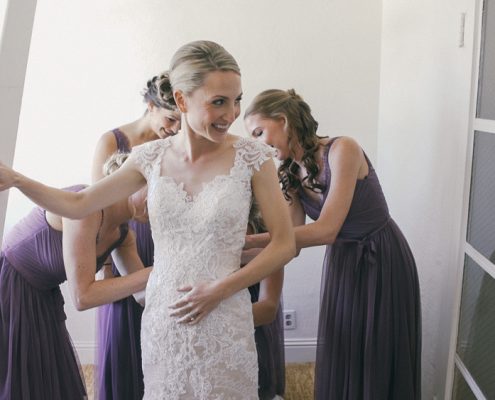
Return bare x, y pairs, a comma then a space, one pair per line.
197, 328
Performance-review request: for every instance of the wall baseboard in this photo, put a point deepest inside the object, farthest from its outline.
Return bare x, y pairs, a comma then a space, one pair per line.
296, 350
86, 350
300, 350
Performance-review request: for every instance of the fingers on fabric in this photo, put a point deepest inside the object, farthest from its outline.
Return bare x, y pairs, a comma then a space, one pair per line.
191, 318
185, 288
181, 308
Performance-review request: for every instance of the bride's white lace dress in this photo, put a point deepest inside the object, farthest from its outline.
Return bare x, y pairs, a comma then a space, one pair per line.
198, 239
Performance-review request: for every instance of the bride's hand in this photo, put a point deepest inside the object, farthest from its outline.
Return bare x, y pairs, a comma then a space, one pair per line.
7, 177
196, 303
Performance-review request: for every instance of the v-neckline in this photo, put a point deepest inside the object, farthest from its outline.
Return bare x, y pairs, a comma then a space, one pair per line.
190, 198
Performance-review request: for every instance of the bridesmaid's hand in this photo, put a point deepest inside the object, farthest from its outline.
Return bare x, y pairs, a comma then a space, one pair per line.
249, 242
197, 302
257, 240
248, 255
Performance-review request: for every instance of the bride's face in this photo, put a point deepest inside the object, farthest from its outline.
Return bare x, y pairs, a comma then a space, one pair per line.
212, 108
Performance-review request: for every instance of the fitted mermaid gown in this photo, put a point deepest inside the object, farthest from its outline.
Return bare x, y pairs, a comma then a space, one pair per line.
198, 238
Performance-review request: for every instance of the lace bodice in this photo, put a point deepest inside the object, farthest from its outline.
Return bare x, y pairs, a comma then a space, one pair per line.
198, 238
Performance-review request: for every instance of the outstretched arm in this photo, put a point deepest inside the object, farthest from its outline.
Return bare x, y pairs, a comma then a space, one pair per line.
121, 184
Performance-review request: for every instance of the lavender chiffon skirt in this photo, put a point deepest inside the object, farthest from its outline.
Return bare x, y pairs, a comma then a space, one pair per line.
369, 334
119, 374
38, 360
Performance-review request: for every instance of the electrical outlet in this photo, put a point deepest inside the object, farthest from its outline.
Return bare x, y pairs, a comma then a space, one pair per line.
289, 319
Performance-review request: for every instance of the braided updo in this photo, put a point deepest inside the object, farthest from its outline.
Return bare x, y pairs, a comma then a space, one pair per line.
301, 128
158, 91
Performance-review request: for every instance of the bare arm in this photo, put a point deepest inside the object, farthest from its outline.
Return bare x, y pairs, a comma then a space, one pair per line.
203, 298
347, 164
106, 146
127, 261
265, 309
79, 238
255, 242
281, 248
270, 289
121, 184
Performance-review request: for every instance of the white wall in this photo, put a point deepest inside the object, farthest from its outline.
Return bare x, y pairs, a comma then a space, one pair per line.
16, 22
422, 142
89, 60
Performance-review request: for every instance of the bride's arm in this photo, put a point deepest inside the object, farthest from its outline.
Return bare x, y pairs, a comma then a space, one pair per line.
127, 180
265, 309
281, 248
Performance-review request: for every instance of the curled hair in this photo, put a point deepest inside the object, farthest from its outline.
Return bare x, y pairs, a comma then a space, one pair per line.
194, 60
158, 91
114, 162
301, 128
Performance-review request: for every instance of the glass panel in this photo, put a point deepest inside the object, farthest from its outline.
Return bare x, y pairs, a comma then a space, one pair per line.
481, 224
476, 338
486, 89
461, 390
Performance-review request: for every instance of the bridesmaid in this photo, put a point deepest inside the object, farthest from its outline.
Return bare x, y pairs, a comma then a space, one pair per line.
369, 334
39, 253
119, 375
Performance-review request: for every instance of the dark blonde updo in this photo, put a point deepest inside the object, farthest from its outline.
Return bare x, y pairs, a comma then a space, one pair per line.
158, 91
193, 61
301, 128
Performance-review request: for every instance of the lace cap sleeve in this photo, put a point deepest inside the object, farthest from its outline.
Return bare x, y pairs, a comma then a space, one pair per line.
254, 153
146, 155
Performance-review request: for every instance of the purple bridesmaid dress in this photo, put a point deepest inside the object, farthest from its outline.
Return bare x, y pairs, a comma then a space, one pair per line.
271, 353
369, 333
37, 359
119, 374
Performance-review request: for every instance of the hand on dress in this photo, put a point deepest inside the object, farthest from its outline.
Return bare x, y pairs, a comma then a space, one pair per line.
7, 177
196, 303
